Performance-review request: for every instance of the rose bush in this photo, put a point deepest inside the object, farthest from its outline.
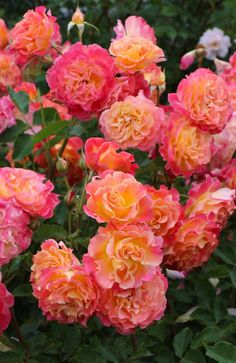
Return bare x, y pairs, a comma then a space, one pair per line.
117, 200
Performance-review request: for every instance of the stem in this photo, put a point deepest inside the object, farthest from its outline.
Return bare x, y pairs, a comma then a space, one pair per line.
134, 343
18, 334
53, 166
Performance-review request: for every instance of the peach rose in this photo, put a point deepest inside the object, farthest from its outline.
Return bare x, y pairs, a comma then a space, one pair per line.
126, 257
203, 97
65, 292
30, 190
53, 255
135, 45
6, 302
192, 244
133, 123
210, 198
131, 308
15, 236
3, 34
117, 198
70, 154
82, 79
101, 155
34, 34
10, 74
7, 113
166, 209
186, 149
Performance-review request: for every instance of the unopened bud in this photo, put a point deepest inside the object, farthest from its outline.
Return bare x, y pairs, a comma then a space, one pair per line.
61, 165
34, 224
78, 17
70, 198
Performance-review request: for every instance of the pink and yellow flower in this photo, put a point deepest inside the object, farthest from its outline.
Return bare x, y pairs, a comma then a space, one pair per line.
210, 198
186, 149
192, 244
30, 190
166, 209
10, 74
82, 78
35, 34
6, 302
228, 174
101, 155
126, 257
135, 45
117, 198
203, 97
131, 308
133, 123
7, 113
66, 293
15, 236
4, 34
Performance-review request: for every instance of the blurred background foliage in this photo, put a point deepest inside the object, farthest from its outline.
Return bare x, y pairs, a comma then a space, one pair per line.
178, 23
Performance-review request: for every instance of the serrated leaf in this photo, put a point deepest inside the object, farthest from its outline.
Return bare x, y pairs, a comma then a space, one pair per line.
20, 99
46, 231
22, 146
207, 335
222, 352
181, 341
51, 129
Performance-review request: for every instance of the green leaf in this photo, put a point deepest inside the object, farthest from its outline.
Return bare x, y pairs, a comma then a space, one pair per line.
227, 253
23, 290
46, 231
51, 129
11, 133
46, 115
232, 275
222, 352
22, 146
165, 355
11, 357
20, 99
207, 335
109, 354
193, 356
76, 130
181, 341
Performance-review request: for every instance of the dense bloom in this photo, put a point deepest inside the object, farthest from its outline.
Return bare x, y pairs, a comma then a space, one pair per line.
131, 308
66, 293
6, 302
82, 78
7, 116
166, 209
133, 123
210, 198
215, 42
34, 34
70, 154
203, 97
127, 85
126, 257
15, 236
3, 34
10, 74
186, 149
117, 198
30, 190
192, 244
101, 155
224, 144
135, 45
